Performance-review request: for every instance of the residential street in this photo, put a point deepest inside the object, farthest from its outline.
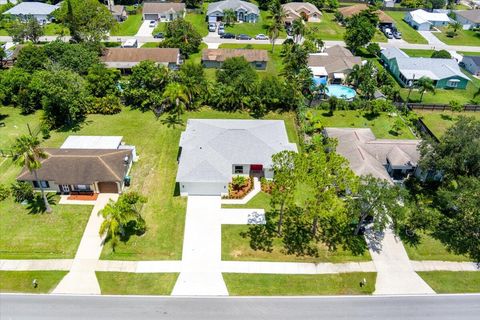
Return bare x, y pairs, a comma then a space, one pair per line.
448, 307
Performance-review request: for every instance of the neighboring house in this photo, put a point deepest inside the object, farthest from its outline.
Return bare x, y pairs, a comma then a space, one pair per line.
214, 151
245, 11
348, 12
126, 58
389, 3
389, 159
7, 1
304, 10
118, 12
38, 10
214, 58
84, 165
333, 65
163, 11
469, 19
424, 21
445, 73
472, 64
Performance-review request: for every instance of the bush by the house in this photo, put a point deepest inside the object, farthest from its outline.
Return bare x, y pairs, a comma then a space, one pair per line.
22, 191
106, 105
240, 187
267, 185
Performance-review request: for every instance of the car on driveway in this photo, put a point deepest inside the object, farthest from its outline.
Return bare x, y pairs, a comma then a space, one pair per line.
397, 34
152, 24
158, 35
261, 36
243, 37
227, 36
221, 29
212, 27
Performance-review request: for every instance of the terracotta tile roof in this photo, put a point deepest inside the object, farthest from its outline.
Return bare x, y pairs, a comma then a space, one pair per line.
81, 166
160, 7
223, 54
160, 55
347, 12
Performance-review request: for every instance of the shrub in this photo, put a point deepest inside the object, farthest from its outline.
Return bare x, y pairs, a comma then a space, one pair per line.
238, 182
451, 34
4, 192
441, 54
22, 191
109, 104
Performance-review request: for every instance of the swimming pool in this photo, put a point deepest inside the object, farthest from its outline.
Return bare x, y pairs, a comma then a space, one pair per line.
339, 91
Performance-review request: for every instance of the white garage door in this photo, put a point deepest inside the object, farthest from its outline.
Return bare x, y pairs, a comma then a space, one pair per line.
150, 16
199, 188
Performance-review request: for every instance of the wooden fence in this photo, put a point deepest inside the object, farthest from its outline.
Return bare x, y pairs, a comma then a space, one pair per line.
440, 107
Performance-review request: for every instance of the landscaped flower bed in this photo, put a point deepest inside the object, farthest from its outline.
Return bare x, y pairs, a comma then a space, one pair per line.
239, 187
267, 185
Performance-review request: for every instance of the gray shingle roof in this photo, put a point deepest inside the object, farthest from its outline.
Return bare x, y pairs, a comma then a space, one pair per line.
475, 59
470, 15
368, 155
31, 8
232, 4
211, 147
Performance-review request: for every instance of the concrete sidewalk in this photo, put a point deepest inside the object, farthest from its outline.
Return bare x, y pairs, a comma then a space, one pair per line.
36, 265
395, 273
81, 279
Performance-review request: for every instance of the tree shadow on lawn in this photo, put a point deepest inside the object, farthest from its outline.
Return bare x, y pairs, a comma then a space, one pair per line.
75, 127
446, 117
37, 205
371, 116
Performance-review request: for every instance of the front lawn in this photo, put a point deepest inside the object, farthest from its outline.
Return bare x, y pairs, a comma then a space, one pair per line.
440, 121
128, 27
419, 52
452, 281
409, 34
431, 249
463, 37
239, 284
21, 281
199, 23
380, 125
53, 29
252, 29
122, 283
235, 247
274, 64
469, 53
25, 234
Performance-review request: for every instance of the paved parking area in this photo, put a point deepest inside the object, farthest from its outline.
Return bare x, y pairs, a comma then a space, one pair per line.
145, 30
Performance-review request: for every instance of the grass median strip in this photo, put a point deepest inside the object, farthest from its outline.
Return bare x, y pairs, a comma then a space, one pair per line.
22, 281
241, 284
452, 281
136, 283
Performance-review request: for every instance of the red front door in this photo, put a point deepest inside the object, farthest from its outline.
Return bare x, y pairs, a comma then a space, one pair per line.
256, 167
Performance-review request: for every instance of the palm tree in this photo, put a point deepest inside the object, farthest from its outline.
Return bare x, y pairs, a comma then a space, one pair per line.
115, 221
278, 19
455, 26
230, 16
175, 97
29, 155
298, 29
425, 84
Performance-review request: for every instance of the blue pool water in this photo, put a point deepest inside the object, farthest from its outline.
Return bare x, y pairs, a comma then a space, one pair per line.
319, 80
340, 91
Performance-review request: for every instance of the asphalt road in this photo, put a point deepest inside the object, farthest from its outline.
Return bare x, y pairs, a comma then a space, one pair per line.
439, 307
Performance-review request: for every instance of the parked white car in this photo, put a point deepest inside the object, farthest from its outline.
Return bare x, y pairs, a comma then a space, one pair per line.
261, 36
152, 24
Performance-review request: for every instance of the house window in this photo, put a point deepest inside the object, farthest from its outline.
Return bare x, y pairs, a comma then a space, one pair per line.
43, 183
452, 83
238, 169
82, 187
258, 64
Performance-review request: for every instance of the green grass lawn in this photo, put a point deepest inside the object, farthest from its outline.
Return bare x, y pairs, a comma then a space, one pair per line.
419, 52
128, 27
3, 33
452, 281
381, 125
274, 64
15, 125
235, 247
409, 34
26, 235
431, 249
261, 201
199, 23
440, 121
328, 28
21, 281
53, 29
252, 29
469, 53
289, 285
121, 283
150, 45
464, 37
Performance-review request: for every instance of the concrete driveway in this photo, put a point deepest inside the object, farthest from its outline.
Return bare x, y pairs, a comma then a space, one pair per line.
145, 30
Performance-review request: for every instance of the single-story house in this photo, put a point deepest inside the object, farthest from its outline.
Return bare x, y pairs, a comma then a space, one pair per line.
214, 151
304, 10
389, 159
445, 73
424, 21
38, 10
347, 12
333, 65
98, 142
126, 58
389, 3
469, 19
119, 12
214, 58
163, 11
245, 11
472, 64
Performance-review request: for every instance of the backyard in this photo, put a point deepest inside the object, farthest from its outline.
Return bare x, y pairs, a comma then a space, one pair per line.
452, 281
463, 37
438, 122
120, 283
298, 285
409, 34
128, 27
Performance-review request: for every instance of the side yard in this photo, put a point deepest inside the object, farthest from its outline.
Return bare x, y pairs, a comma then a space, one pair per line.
439, 121
298, 285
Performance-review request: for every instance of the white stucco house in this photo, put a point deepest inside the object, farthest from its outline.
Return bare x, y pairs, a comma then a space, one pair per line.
38, 10
245, 11
214, 151
424, 21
